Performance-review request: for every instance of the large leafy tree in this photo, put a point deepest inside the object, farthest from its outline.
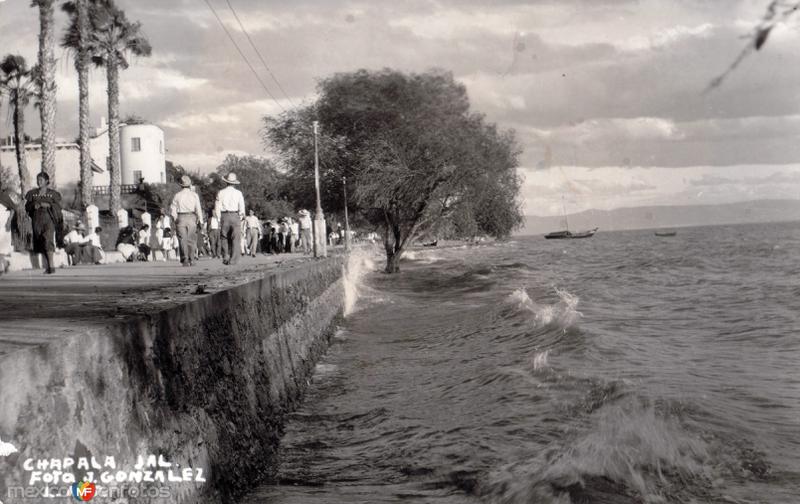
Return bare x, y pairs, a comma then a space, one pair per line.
114, 38
418, 157
46, 81
76, 38
16, 81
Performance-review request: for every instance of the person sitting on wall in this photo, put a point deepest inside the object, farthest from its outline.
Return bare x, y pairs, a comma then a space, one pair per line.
76, 245
126, 243
144, 242
95, 247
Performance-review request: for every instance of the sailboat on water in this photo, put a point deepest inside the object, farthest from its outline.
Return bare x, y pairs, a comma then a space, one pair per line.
567, 234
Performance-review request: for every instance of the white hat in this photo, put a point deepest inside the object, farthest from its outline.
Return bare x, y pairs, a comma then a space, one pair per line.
303, 212
231, 178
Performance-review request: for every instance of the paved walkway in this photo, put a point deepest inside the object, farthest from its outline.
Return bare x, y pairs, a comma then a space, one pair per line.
36, 308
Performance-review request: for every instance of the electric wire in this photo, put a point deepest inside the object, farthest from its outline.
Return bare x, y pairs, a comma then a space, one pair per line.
258, 53
241, 53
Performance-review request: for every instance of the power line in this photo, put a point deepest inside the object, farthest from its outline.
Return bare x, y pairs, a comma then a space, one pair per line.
243, 56
258, 52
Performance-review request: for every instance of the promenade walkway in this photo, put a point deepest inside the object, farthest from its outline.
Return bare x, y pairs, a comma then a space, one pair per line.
37, 309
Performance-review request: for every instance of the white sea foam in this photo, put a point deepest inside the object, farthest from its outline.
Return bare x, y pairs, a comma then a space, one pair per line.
325, 368
360, 262
540, 360
564, 313
628, 444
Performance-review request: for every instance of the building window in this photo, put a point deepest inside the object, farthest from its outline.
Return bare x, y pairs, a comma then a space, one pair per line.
160, 147
162, 177
137, 176
136, 144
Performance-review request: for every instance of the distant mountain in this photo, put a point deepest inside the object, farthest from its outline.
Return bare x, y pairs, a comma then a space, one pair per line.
650, 217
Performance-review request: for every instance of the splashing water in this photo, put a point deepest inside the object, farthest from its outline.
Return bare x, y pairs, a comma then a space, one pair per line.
563, 314
359, 263
629, 448
540, 360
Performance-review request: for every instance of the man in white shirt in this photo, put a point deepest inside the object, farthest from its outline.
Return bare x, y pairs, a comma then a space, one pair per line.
229, 210
305, 230
75, 244
95, 247
213, 235
186, 211
287, 234
253, 232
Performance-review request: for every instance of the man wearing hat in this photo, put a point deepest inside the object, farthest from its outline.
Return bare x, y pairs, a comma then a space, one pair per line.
186, 212
229, 210
75, 243
305, 230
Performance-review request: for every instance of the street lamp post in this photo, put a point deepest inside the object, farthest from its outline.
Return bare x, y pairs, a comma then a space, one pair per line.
320, 248
346, 220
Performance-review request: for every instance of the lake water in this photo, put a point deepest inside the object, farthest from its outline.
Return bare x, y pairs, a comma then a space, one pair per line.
624, 368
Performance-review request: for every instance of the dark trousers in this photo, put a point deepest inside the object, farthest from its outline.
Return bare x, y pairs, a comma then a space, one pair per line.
145, 251
187, 236
75, 253
213, 240
231, 232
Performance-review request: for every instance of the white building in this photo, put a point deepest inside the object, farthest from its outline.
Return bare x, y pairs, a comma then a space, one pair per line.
142, 155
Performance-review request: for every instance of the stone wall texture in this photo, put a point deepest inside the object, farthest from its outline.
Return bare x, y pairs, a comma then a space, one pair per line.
204, 385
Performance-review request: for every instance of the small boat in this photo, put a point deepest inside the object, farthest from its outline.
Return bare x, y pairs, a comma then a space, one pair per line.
569, 235
666, 233
431, 244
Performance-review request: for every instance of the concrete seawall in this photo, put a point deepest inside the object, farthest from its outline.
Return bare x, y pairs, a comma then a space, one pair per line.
203, 385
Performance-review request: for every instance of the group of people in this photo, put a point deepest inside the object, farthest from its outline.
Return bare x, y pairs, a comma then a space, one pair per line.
228, 233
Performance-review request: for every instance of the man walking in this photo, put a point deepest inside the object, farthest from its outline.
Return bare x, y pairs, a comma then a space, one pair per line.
187, 212
229, 210
253, 232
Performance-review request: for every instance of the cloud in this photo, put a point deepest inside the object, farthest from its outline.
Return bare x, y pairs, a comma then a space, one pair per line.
610, 89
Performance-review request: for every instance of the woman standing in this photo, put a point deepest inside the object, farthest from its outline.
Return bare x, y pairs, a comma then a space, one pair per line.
44, 206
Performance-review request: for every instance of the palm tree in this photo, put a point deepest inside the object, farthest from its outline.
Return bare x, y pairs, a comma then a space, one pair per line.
46, 81
76, 38
115, 38
16, 81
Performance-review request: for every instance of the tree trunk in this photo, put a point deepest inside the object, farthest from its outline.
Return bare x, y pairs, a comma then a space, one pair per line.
393, 261
391, 242
82, 66
19, 144
47, 81
112, 72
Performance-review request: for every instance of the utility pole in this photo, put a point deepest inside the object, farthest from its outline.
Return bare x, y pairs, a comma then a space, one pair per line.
320, 244
346, 220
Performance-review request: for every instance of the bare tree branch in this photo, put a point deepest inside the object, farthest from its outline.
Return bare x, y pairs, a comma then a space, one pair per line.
777, 11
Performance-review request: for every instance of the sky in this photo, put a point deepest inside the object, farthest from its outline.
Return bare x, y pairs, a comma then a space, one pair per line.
608, 98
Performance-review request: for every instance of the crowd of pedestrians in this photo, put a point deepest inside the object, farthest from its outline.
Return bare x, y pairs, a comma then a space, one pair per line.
184, 231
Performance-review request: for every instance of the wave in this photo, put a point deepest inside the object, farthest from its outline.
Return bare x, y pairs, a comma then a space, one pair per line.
632, 451
629, 452
360, 263
562, 314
